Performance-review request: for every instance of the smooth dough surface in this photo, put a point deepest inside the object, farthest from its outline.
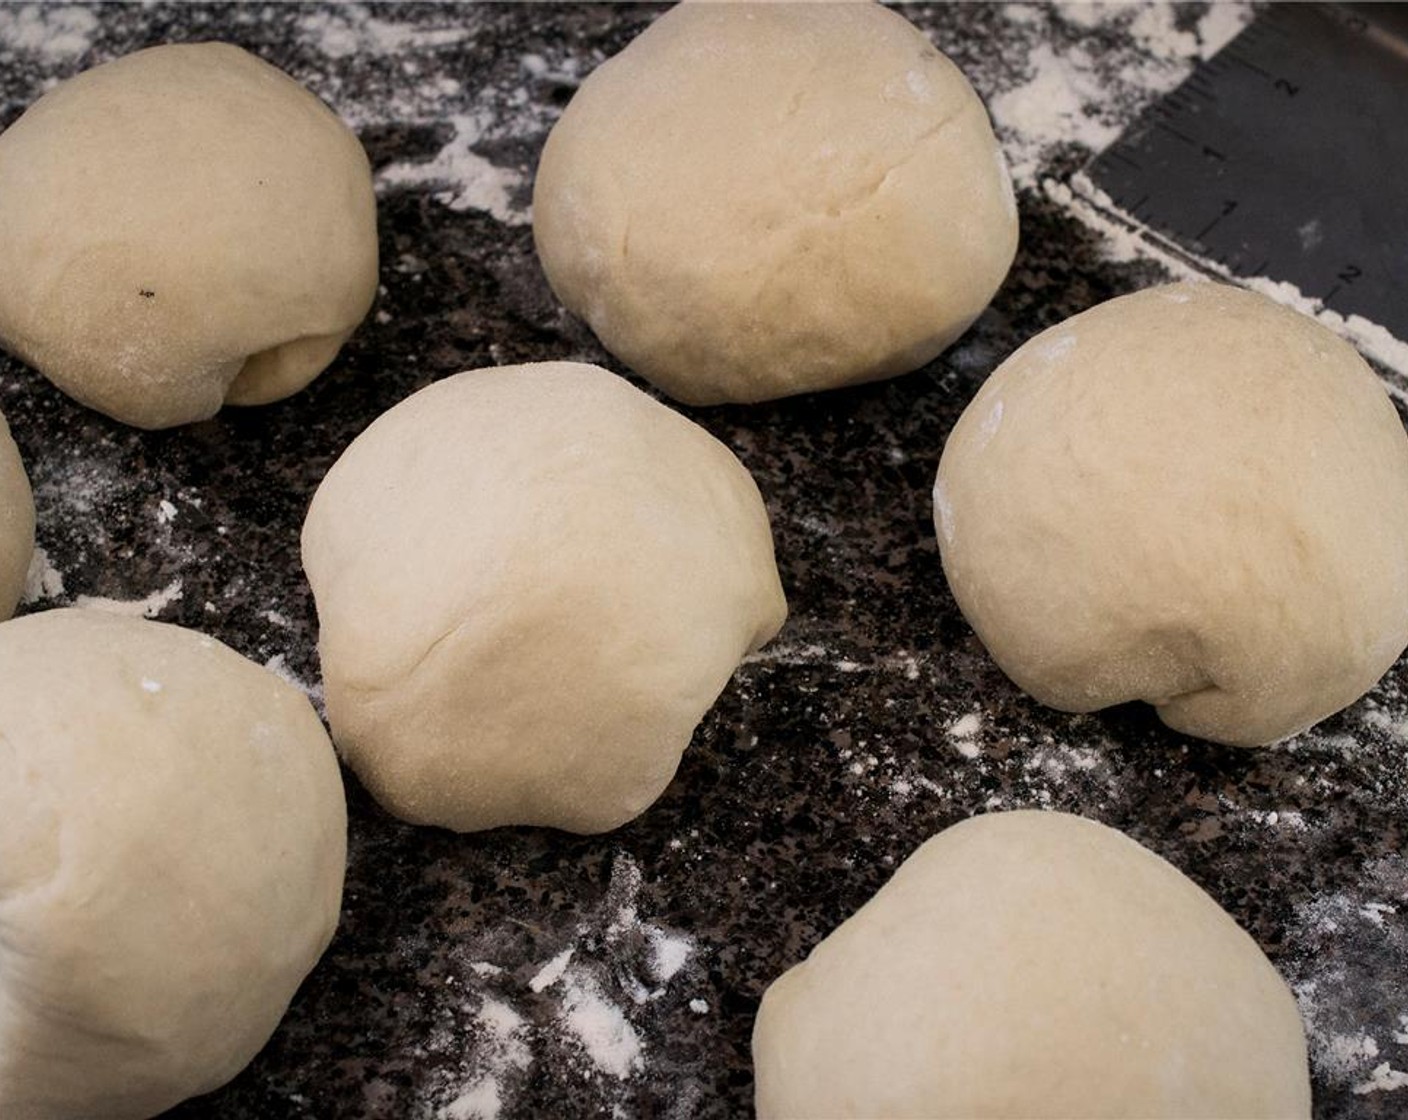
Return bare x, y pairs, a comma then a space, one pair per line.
1033, 965
172, 843
182, 228
1190, 496
16, 523
532, 583
754, 200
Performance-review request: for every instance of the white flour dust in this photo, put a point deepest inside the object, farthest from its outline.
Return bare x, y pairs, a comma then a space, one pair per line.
963, 732
1332, 948
149, 606
1071, 95
398, 87
278, 665
574, 1006
55, 32
43, 580
351, 30
503, 1050
469, 181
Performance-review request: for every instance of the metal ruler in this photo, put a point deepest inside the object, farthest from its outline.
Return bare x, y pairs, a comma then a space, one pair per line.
1286, 155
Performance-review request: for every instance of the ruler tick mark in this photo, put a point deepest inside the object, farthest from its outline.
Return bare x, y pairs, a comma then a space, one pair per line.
1252, 66
1175, 132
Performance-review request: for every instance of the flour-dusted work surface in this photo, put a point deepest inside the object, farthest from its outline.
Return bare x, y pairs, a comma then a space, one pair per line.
530, 973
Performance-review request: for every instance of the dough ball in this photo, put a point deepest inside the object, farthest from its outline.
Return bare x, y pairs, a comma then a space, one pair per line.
183, 228
16, 524
172, 841
754, 200
1025, 965
532, 583
1190, 496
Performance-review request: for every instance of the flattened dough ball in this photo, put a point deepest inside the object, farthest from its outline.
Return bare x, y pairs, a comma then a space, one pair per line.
754, 200
16, 523
1033, 965
182, 228
172, 842
1190, 496
532, 583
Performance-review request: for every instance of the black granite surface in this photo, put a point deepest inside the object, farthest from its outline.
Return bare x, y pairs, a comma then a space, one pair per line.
832, 755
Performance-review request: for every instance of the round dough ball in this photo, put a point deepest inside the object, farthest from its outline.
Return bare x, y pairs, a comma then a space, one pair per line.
532, 583
1190, 496
16, 524
755, 200
183, 228
1031, 964
172, 842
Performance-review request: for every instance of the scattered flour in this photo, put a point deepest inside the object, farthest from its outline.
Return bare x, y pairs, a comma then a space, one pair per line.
1060, 103
578, 1004
480, 1101
551, 972
670, 953
43, 580
502, 1049
1070, 95
391, 91
963, 730
1278, 818
278, 665
149, 607
351, 30
470, 181
1383, 1079
56, 32
599, 1026
1333, 948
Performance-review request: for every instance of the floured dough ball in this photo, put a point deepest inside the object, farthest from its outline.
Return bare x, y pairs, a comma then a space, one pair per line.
754, 200
1025, 965
1190, 496
16, 523
172, 841
532, 583
183, 228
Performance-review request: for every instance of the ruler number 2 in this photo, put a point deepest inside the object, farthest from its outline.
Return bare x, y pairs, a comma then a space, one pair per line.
1290, 89
1346, 275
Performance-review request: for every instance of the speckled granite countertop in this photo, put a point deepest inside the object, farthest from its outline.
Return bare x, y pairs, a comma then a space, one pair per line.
527, 973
